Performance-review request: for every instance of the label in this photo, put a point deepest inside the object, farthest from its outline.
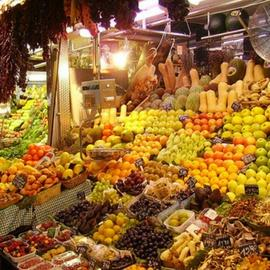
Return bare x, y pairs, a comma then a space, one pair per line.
191, 182
223, 241
251, 190
248, 158
19, 181
183, 118
82, 249
236, 106
211, 214
183, 172
248, 249
81, 195
217, 140
208, 240
139, 163
193, 228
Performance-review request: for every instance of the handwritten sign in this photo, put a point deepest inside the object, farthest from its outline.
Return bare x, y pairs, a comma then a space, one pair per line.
139, 163
208, 240
183, 172
223, 241
191, 182
19, 181
216, 140
248, 249
236, 106
251, 190
248, 158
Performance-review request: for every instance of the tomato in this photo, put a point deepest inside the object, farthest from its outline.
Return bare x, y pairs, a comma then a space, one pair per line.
108, 126
33, 152
40, 153
31, 146
28, 157
46, 148
35, 157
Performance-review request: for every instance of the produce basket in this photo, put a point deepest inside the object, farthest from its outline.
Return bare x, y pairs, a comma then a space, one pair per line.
15, 200
47, 194
75, 181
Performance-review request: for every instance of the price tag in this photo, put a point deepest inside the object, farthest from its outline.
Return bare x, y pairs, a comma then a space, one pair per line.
216, 140
19, 181
208, 240
183, 118
82, 249
249, 249
191, 182
251, 190
192, 228
106, 265
211, 214
236, 106
244, 169
139, 163
81, 195
248, 158
183, 172
223, 241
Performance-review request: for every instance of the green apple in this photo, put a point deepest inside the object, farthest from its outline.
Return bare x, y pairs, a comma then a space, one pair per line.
259, 134
250, 173
265, 127
261, 160
232, 185
248, 120
236, 120
264, 168
241, 178
229, 126
260, 143
260, 152
240, 190
257, 111
251, 181
227, 119
260, 119
246, 128
247, 134
253, 166
267, 146
227, 135
237, 128
260, 175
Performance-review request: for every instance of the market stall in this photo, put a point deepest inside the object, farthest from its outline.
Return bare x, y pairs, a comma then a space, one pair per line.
149, 146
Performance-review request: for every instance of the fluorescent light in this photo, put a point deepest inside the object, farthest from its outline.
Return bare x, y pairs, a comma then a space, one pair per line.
155, 11
84, 33
36, 76
194, 2
146, 4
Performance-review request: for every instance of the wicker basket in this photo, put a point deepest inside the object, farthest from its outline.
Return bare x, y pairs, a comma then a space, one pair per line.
12, 202
75, 181
48, 194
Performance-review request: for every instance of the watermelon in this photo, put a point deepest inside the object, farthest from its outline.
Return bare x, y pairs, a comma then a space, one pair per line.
217, 23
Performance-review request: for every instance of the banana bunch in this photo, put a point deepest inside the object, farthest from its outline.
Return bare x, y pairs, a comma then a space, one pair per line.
183, 250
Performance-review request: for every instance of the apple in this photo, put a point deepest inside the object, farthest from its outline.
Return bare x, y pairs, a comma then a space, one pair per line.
262, 192
248, 120
265, 127
264, 168
245, 112
253, 166
255, 127
240, 190
260, 152
261, 160
232, 185
267, 113
260, 175
259, 134
237, 128
262, 183
246, 128
261, 142
257, 111
236, 120
229, 126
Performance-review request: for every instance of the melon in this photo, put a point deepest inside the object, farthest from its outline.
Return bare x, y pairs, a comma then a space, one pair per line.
180, 102
182, 91
193, 102
217, 24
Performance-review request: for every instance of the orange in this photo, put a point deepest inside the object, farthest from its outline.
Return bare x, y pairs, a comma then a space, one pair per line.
218, 147
189, 126
240, 164
208, 154
196, 172
227, 163
116, 172
232, 176
197, 127
212, 174
203, 166
204, 172
209, 161
220, 170
224, 175
218, 155
250, 149
228, 149
228, 155
219, 162
214, 180
237, 156
213, 167
223, 182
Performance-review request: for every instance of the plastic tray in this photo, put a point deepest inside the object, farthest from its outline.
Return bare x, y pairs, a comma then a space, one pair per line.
183, 226
64, 257
36, 259
22, 258
43, 266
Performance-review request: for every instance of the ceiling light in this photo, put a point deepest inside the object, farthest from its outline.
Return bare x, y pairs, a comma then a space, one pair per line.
146, 4
85, 33
195, 2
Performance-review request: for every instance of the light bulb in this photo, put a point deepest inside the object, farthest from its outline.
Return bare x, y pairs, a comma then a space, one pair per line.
84, 33
120, 59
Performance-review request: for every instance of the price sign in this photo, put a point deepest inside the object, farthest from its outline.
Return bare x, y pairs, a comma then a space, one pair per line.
192, 228
251, 190
82, 249
81, 195
191, 182
19, 181
244, 169
236, 106
106, 265
217, 140
208, 240
183, 118
223, 241
183, 172
211, 214
139, 163
249, 249
248, 158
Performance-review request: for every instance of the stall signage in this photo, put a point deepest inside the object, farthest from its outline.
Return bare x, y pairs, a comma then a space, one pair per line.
139, 163
191, 182
217, 140
252, 190
236, 106
19, 181
223, 241
248, 249
81, 195
211, 214
248, 158
208, 240
183, 172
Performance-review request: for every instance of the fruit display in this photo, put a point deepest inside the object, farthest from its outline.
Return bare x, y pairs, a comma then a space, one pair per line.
30, 263
35, 153
181, 147
16, 248
254, 262
184, 248
112, 228
145, 240
48, 255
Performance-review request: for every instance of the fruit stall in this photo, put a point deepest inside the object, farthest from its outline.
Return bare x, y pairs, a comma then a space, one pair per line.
136, 155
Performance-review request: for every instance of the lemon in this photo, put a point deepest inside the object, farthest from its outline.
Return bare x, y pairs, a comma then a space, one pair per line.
108, 232
108, 224
116, 228
108, 241
96, 236
101, 238
112, 217
101, 229
215, 186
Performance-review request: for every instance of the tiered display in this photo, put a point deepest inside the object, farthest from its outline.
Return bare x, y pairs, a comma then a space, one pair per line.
182, 183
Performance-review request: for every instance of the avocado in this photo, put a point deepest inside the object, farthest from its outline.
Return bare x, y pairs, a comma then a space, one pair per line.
217, 23
232, 21
236, 71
